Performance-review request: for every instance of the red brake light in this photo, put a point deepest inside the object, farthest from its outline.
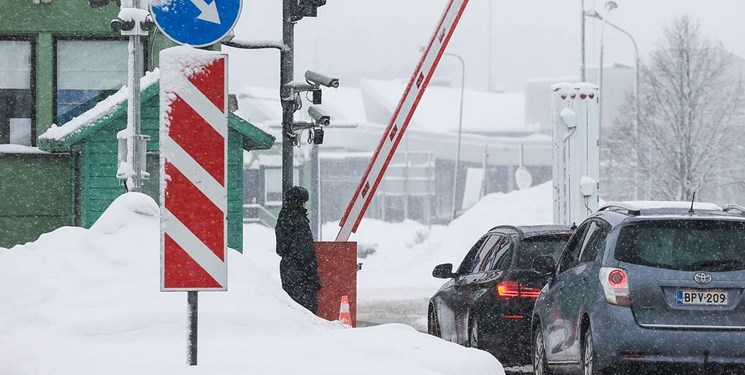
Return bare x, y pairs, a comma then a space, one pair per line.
512, 289
617, 278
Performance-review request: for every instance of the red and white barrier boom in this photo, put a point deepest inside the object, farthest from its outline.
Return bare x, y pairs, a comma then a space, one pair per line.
401, 118
193, 146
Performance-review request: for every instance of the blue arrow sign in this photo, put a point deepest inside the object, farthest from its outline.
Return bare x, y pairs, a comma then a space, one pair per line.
196, 23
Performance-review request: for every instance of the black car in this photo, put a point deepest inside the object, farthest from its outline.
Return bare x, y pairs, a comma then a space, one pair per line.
488, 302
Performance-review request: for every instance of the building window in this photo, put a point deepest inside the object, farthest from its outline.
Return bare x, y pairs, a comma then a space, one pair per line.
273, 185
87, 71
16, 92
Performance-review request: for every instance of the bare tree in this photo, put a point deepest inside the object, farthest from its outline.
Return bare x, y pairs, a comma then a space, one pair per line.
690, 132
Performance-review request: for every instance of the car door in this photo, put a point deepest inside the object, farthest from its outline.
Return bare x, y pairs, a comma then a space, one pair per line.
472, 285
449, 300
553, 316
576, 283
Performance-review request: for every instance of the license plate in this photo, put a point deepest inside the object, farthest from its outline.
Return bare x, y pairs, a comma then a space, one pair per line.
697, 297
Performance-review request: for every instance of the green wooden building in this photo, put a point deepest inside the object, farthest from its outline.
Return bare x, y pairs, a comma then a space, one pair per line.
59, 60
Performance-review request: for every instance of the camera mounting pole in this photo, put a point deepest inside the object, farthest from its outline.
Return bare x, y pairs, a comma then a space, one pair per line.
133, 21
287, 66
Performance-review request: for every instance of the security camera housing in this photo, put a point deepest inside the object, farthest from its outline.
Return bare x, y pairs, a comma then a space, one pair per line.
320, 79
118, 24
319, 116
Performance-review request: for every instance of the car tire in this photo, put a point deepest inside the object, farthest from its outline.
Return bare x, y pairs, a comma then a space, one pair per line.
433, 324
589, 361
540, 364
475, 331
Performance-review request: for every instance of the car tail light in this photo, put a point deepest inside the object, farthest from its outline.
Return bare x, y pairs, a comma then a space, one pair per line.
513, 289
615, 282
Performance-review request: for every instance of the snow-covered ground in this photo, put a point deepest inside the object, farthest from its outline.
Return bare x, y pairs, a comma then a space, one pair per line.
80, 301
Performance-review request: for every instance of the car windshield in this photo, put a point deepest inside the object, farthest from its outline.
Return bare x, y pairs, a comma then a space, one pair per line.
686, 245
539, 246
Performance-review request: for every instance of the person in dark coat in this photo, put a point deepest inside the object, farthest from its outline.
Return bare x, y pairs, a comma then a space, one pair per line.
298, 268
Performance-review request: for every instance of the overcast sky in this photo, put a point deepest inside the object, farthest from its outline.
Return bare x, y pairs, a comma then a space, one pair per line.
355, 39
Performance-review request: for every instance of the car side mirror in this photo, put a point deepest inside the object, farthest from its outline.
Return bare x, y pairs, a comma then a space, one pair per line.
544, 265
443, 271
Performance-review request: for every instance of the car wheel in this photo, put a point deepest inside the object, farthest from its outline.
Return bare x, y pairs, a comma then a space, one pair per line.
433, 325
474, 331
589, 362
540, 365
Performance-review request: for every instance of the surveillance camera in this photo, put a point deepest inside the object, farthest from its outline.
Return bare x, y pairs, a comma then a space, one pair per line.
148, 24
118, 24
320, 79
319, 116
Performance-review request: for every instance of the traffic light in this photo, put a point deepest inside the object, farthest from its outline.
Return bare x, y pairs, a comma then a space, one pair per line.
305, 8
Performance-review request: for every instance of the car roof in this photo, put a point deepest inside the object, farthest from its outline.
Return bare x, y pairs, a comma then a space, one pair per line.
526, 231
618, 212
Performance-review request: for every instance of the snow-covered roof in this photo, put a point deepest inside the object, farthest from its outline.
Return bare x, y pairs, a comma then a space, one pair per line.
104, 108
439, 110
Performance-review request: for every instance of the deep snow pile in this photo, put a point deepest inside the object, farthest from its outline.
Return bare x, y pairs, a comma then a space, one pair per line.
81, 301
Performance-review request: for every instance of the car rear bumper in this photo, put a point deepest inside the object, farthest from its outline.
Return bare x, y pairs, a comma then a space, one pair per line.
510, 341
624, 342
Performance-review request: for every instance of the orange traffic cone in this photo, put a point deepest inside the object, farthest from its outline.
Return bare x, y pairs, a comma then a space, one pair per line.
344, 315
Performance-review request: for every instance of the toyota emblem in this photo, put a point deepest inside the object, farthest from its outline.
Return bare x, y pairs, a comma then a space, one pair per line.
702, 277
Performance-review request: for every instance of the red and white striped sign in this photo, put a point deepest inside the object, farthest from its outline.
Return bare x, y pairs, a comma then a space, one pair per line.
193, 147
401, 118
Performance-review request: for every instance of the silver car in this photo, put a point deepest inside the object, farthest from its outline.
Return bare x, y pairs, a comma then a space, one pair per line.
645, 285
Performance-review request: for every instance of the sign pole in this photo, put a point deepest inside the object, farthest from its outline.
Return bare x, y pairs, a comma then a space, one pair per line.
193, 315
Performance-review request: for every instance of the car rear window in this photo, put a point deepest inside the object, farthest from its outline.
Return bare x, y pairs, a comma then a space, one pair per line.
539, 246
685, 245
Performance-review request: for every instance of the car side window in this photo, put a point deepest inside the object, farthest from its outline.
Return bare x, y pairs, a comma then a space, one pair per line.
570, 256
596, 242
503, 257
467, 264
486, 254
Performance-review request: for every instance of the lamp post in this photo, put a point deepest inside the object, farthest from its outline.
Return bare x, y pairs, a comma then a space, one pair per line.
582, 75
460, 129
637, 103
609, 6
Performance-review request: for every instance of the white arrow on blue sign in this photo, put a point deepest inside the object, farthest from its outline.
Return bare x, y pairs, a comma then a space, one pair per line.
196, 23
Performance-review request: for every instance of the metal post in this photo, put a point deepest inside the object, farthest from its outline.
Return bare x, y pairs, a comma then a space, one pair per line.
460, 132
135, 67
583, 68
489, 79
287, 67
315, 191
192, 316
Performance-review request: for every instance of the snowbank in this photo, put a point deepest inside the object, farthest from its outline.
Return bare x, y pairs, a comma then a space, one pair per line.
88, 301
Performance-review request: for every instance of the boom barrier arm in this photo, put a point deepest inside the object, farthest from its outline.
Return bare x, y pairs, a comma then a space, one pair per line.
401, 118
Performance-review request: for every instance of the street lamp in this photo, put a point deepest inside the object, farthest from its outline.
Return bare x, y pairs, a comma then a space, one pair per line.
460, 128
609, 6
460, 124
637, 104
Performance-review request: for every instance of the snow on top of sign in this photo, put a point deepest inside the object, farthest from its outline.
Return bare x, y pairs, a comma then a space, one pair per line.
179, 62
103, 109
19, 149
88, 301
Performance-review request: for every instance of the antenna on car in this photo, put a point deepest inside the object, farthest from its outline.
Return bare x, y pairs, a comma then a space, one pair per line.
692, 200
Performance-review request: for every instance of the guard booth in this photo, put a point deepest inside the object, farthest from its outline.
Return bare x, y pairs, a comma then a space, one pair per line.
337, 269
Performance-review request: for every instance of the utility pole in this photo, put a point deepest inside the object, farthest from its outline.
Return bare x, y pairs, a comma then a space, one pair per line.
286, 74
